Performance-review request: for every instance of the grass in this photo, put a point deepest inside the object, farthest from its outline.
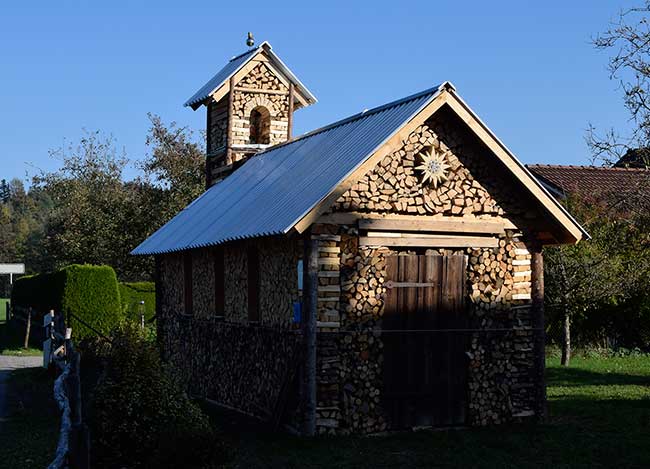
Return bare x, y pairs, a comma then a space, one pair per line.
599, 418
30, 433
12, 339
3, 309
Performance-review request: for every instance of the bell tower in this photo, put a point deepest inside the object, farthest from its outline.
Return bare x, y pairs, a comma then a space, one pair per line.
250, 104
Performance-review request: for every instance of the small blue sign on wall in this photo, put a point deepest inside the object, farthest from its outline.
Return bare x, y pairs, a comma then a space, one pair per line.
297, 311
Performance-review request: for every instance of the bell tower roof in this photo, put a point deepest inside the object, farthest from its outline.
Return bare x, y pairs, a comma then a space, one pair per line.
219, 84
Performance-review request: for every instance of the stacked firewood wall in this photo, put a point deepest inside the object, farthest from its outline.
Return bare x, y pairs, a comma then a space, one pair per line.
328, 414
203, 301
262, 78
501, 374
501, 369
247, 96
276, 102
171, 334
474, 185
362, 281
225, 358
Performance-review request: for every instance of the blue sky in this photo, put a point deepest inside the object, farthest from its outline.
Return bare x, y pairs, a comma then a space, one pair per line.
527, 68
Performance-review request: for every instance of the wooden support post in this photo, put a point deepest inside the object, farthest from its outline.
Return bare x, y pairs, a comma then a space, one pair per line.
231, 111
29, 327
308, 326
290, 116
537, 310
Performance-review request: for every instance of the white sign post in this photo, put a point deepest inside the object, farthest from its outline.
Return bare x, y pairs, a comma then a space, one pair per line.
12, 269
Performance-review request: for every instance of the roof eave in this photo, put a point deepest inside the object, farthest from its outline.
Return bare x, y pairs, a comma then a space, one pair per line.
578, 232
265, 46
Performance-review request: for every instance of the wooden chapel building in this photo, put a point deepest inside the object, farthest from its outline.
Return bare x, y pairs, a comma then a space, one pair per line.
382, 272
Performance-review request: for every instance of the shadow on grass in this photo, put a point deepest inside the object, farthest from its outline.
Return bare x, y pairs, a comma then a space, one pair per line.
29, 434
582, 433
567, 376
12, 338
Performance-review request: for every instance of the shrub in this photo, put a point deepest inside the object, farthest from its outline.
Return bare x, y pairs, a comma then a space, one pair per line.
131, 293
139, 415
88, 295
40, 292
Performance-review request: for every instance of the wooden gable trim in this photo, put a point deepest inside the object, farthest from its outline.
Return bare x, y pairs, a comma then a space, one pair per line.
401, 240
426, 222
393, 144
248, 67
490, 140
447, 96
449, 225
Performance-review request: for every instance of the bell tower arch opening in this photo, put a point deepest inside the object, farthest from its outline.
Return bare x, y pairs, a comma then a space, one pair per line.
260, 126
250, 105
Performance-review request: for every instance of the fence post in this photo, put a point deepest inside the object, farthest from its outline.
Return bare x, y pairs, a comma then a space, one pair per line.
141, 311
28, 327
79, 443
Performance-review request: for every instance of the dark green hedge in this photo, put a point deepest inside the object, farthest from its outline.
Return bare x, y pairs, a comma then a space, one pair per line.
84, 293
131, 293
42, 292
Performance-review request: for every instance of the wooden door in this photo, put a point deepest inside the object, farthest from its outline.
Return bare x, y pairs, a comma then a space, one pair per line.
425, 364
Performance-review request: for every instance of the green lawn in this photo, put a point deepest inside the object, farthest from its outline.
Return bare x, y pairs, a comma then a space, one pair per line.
28, 437
12, 339
3, 309
599, 418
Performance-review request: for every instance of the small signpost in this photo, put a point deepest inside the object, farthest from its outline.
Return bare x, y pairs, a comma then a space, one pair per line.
11, 270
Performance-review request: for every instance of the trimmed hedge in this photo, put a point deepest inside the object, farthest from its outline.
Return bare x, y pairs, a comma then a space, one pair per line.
84, 293
131, 293
41, 292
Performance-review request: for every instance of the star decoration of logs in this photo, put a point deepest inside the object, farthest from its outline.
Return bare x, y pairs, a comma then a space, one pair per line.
434, 167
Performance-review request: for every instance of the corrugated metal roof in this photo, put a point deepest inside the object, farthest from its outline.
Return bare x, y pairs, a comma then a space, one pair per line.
222, 75
272, 191
235, 64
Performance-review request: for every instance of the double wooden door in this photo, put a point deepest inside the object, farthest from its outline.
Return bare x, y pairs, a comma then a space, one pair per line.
425, 362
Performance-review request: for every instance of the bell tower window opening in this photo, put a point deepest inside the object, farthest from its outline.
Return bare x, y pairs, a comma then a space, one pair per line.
260, 126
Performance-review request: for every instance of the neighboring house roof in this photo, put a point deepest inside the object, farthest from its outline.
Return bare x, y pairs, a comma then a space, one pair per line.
634, 158
289, 185
237, 63
591, 181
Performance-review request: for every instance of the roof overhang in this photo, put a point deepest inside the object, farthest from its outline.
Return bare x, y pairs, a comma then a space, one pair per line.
571, 231
263, 53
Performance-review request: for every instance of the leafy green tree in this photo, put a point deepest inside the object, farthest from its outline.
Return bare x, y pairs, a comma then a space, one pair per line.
95, 216
602, 283
174, 166
4, 191
89, 221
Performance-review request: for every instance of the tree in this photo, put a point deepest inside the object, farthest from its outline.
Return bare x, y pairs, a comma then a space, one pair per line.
96, 217
174, 165
88, 221
628, 39
582, 278
4, 191
608, 273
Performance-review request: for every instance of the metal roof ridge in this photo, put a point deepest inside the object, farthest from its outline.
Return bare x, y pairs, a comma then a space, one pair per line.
357, 116
235, 57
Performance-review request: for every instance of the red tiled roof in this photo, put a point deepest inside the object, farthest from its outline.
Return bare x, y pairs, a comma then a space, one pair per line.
593, 181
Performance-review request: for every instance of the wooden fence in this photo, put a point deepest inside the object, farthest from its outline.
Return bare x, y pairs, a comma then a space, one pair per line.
73, 448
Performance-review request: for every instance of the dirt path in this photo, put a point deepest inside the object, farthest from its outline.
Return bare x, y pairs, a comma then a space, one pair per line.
7, 365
